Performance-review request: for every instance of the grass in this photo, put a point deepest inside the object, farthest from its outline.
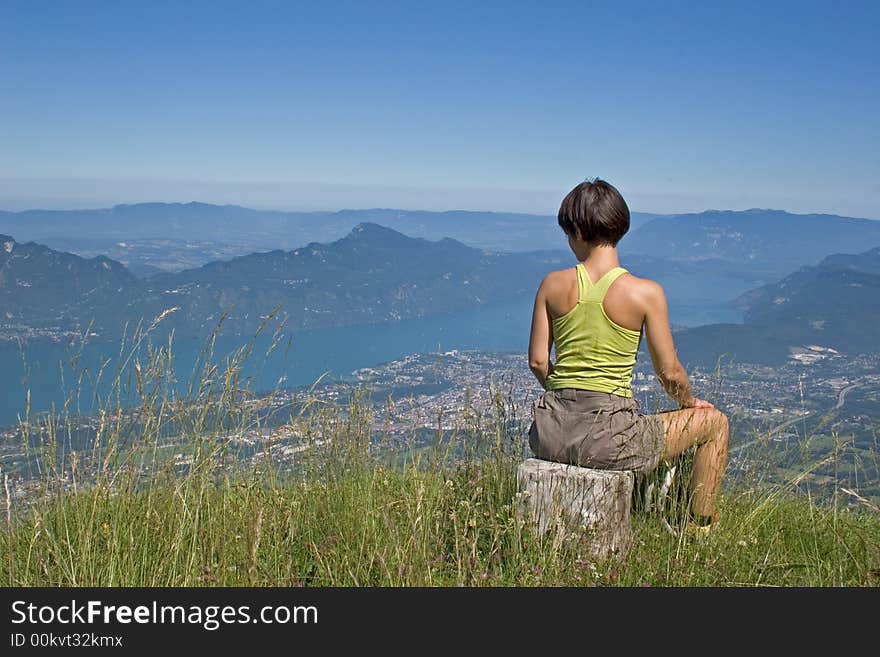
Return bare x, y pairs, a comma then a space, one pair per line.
354, 512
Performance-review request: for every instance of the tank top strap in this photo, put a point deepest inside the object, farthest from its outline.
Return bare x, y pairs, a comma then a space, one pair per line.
584, 282
597, 291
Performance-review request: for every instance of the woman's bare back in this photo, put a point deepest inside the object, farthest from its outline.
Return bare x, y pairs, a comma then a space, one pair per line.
623, 304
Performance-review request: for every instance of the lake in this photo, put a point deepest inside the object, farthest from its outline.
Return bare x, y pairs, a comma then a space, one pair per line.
51, 376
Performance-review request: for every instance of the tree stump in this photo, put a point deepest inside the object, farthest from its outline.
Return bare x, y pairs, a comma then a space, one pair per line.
593, 504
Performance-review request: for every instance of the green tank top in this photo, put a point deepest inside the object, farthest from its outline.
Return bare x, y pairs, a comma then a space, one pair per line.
592, 352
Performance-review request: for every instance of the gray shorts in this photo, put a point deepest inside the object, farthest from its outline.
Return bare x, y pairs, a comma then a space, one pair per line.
595, 430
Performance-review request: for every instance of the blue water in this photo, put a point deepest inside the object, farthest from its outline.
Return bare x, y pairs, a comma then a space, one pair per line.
50, 375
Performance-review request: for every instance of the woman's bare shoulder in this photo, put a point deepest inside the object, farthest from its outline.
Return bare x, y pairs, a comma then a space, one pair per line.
645, 290
558, 278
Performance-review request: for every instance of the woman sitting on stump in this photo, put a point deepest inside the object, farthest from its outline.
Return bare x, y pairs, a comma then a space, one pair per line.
595, 313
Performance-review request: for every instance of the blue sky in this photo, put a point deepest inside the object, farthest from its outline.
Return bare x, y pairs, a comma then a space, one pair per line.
499, 106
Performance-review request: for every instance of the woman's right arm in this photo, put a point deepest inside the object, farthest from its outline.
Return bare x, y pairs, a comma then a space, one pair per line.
669, 370
541, 336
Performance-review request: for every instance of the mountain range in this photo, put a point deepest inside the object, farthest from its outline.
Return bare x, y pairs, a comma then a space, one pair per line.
770, 243
834, 304
44, 288
757, 245
259, 230
375, 274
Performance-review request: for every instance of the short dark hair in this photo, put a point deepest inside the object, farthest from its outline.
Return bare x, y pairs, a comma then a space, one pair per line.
596, 211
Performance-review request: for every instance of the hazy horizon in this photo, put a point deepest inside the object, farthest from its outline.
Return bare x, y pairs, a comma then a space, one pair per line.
486, 106
325, 198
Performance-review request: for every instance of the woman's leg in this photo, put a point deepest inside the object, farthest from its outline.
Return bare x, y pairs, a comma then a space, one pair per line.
708, 429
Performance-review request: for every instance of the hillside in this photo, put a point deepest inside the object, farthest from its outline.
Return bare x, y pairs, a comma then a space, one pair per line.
841, 290
833, 304
358, 511
40, 287
374, 274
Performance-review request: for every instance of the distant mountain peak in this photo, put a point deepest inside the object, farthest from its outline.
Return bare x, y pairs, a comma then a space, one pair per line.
367, 232
735, 212
370, 233
369, 227
159, 206
373, 233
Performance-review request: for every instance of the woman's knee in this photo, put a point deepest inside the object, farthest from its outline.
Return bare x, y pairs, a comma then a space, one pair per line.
715, 425
721, 426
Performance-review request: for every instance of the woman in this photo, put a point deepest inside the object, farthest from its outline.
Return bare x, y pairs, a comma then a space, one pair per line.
595, 313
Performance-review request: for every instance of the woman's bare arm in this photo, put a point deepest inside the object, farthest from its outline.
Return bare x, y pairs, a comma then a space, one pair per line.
541, 338
667, 367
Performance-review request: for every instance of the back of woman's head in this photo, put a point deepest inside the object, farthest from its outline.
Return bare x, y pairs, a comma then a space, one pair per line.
596, 211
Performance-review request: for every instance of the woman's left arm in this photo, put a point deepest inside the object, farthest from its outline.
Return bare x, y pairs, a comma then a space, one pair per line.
541, 338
